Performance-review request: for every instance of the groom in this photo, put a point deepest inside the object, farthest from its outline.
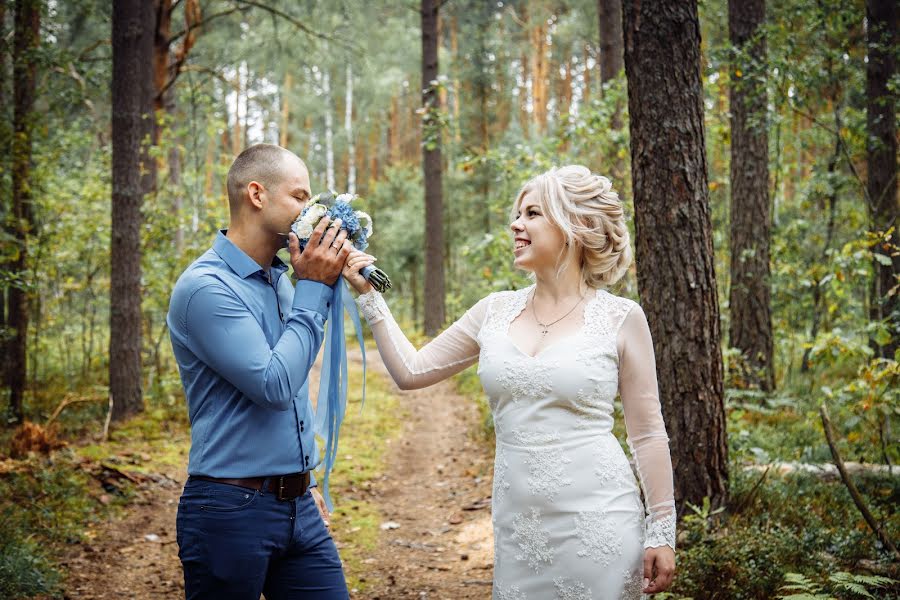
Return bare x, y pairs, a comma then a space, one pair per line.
245, 339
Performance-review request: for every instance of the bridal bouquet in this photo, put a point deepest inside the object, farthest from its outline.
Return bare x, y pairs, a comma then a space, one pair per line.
357, 223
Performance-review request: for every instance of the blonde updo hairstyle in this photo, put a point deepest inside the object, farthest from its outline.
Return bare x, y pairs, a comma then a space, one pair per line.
589, 213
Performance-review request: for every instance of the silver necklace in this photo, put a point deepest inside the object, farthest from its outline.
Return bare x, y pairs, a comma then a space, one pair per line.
546, 327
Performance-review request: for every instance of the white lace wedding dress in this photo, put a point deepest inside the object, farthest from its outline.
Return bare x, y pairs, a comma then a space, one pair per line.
568, 519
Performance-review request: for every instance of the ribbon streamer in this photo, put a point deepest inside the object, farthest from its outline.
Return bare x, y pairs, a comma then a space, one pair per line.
331, 404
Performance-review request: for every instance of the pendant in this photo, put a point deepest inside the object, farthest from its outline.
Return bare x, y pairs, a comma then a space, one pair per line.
543, 333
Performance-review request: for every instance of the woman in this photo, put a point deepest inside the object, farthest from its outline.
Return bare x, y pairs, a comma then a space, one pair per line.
567, 513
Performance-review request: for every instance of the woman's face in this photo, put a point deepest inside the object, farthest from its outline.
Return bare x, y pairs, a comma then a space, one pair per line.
537, 242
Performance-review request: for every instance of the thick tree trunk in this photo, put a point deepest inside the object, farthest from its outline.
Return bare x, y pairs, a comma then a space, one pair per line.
751, 313
676, 277
431, 164
6, 223
133, 92
25, 43
881, 157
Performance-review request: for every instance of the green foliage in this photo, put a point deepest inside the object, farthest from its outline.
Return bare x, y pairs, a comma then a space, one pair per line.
776, 525
847, 585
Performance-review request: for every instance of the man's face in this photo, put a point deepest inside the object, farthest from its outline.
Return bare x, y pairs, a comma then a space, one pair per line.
288, 197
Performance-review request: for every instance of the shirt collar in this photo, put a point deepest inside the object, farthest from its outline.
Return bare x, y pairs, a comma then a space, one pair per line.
240, 262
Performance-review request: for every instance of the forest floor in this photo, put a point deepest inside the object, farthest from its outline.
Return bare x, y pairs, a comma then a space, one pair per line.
426, 509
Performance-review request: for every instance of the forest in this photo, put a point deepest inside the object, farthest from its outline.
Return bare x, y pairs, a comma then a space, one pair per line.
754, 144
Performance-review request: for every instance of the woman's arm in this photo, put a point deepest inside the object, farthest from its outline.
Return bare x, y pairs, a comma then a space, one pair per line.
447, 354
649, 445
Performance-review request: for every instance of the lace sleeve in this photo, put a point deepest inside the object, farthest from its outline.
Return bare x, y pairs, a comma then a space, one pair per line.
447, 354
646, 430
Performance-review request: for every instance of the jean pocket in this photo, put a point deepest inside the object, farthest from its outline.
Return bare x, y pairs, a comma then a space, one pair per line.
229, 500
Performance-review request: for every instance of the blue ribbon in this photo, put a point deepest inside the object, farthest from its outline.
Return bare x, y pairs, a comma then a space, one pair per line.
331, 404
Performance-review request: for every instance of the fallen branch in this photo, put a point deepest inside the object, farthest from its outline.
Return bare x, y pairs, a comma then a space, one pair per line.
854, 493
67, 401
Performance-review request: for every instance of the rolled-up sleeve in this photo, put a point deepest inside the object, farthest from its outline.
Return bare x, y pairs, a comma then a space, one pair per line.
224, 334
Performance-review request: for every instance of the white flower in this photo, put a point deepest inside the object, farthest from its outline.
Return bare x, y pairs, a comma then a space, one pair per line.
314, 213
365, 221
303, 229
348, 198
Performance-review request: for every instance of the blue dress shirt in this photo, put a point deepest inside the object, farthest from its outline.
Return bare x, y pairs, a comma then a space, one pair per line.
245, 341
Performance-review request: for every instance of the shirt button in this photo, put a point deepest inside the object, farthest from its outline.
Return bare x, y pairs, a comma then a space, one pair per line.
328, 305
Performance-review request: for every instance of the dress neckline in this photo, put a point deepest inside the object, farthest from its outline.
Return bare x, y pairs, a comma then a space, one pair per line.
518, 310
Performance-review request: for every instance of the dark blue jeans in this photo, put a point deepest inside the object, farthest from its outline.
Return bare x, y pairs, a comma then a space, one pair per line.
236, 543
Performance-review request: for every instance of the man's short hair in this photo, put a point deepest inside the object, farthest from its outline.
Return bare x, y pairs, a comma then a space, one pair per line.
263, 163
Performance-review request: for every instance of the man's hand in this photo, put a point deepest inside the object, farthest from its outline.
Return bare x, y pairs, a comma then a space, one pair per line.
325, 254
320, 504
357, 261
659, 569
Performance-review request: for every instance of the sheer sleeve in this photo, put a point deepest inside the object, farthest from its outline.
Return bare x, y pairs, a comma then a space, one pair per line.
447, 354
646, 430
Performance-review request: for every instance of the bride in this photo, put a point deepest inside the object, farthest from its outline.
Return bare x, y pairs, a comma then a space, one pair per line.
567, 512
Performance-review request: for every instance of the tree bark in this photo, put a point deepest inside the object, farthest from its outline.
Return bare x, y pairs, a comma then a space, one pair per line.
611, 53
284, 138
676, 276
881, 158
133, 30
5, 201
751, 312
25, 44
431, 165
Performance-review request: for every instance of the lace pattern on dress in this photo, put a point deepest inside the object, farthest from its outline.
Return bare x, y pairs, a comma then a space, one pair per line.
511, 593
527, 378
501, 466
571, 591
373, 307
634, 584
599, 537
545, 475
660, 530
604, 315
533, 540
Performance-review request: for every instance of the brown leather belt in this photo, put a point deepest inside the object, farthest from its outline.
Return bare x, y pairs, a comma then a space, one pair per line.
285, 487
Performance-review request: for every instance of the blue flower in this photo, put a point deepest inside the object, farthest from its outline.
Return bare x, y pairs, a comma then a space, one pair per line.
345, 212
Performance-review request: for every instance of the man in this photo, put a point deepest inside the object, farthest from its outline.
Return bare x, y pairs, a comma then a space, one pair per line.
245, 339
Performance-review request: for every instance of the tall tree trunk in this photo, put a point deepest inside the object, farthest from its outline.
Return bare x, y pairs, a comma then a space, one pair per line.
329, 130
6, 223
284, 138
611, 53
751, 312
133, 29
348, 129
25, 60
881, 158
431, 165
454, 53
676, 276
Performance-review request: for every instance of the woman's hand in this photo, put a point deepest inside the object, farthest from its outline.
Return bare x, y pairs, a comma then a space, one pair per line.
659, 569
357, 260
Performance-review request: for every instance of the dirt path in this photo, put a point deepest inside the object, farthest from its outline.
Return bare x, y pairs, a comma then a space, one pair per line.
435, 501
435, 497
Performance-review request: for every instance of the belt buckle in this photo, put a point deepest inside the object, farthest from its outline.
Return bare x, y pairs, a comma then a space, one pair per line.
280, 495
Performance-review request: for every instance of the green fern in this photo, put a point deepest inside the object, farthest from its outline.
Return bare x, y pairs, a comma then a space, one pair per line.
801, 587
859, 584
